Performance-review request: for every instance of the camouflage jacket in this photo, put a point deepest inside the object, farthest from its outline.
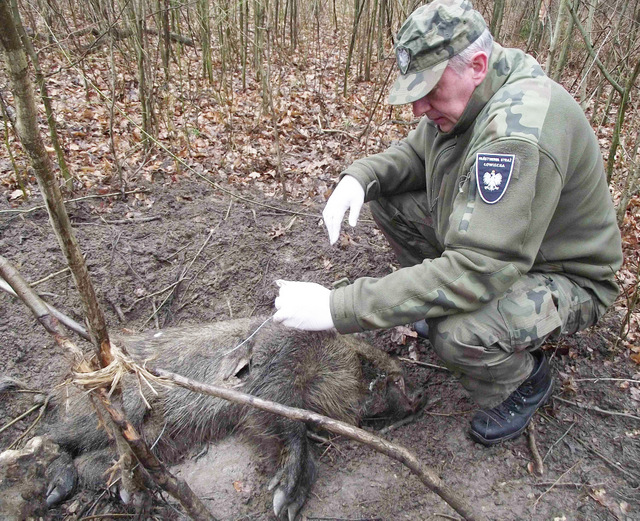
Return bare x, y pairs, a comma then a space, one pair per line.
518, 185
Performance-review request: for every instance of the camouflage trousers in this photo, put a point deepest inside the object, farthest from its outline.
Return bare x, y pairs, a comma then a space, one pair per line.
489, 349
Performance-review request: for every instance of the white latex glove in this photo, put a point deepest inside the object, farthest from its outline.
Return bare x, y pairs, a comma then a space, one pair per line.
303, 305
348, 195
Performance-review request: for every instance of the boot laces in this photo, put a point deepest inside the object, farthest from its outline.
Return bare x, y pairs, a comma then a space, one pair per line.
512, 405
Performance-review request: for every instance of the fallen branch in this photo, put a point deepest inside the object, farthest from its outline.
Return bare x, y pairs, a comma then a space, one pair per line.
50, 276
94, 196
597, 409
536, 466
43, 408
64, 319
557, 481
394, 451
424, 364
17, 419
134, 220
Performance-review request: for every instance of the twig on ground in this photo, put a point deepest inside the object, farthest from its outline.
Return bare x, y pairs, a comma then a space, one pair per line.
401, 423
597, 409
318, 439
537, 466
177, 252
48, 277
120, 221
17, 419
13, 385
155, 313
424, 364
613, 464
554, 484
558, 441
226, 216
172, 287
116, 307
206, 265
606, 380
182, 276
94, 196
568, 485
455, 413
324, 441
154, 294
43, 408
106, 516
334, 131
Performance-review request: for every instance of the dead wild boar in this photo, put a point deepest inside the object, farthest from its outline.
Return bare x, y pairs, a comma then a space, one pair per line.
321, 372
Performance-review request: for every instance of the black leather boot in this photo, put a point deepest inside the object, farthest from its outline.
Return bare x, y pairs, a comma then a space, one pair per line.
511, 417
422, 328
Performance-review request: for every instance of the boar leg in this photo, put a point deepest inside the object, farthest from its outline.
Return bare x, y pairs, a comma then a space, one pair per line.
62, 479
296, 474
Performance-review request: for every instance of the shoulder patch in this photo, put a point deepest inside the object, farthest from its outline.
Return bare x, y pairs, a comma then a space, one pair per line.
493, 173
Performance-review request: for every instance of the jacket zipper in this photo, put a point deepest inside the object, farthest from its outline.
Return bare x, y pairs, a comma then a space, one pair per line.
433, 203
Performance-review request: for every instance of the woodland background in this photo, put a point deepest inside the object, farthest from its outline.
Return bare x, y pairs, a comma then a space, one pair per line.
276, 97
280, 95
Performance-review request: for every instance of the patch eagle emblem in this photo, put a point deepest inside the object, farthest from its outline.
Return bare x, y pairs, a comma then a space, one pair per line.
493, 173
492, 180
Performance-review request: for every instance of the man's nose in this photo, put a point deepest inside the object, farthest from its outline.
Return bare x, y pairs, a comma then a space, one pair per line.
420, 107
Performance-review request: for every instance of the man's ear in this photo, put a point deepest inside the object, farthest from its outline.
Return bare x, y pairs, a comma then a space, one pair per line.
480, 66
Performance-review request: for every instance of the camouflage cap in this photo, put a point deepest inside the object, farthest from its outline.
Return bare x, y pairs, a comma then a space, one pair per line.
432, 35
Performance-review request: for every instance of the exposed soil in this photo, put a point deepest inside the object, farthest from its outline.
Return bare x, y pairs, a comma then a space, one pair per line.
229, 252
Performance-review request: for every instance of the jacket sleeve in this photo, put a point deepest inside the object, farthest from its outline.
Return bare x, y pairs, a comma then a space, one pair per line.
398, 169
487, 248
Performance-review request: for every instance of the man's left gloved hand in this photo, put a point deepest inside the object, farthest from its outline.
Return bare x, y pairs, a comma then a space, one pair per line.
303, 305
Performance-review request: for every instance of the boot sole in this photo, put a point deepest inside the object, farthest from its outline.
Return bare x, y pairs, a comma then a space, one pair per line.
488, 443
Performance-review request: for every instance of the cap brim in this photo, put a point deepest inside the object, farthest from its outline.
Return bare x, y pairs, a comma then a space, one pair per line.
414, 86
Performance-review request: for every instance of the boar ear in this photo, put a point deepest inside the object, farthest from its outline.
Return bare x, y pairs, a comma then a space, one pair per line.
234, 362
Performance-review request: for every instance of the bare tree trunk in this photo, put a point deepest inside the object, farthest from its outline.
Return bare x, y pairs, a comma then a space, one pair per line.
44, 94
28, 132
274, 120
564, 53
631, 182
536, 28
588, 30
244, 39
205, 38
165, 7
622, 109
556, 36
357, 6
496, 19
259, 18
19, 178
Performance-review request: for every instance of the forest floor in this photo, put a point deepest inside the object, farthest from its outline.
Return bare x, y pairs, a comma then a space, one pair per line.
229, 252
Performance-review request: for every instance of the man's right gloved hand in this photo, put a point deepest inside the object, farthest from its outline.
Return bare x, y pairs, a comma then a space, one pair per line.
348, 195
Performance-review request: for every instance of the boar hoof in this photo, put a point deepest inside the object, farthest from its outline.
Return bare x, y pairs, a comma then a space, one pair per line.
291, 494
63, 479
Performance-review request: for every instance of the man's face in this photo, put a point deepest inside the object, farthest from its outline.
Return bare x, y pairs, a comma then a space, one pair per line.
446, 102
